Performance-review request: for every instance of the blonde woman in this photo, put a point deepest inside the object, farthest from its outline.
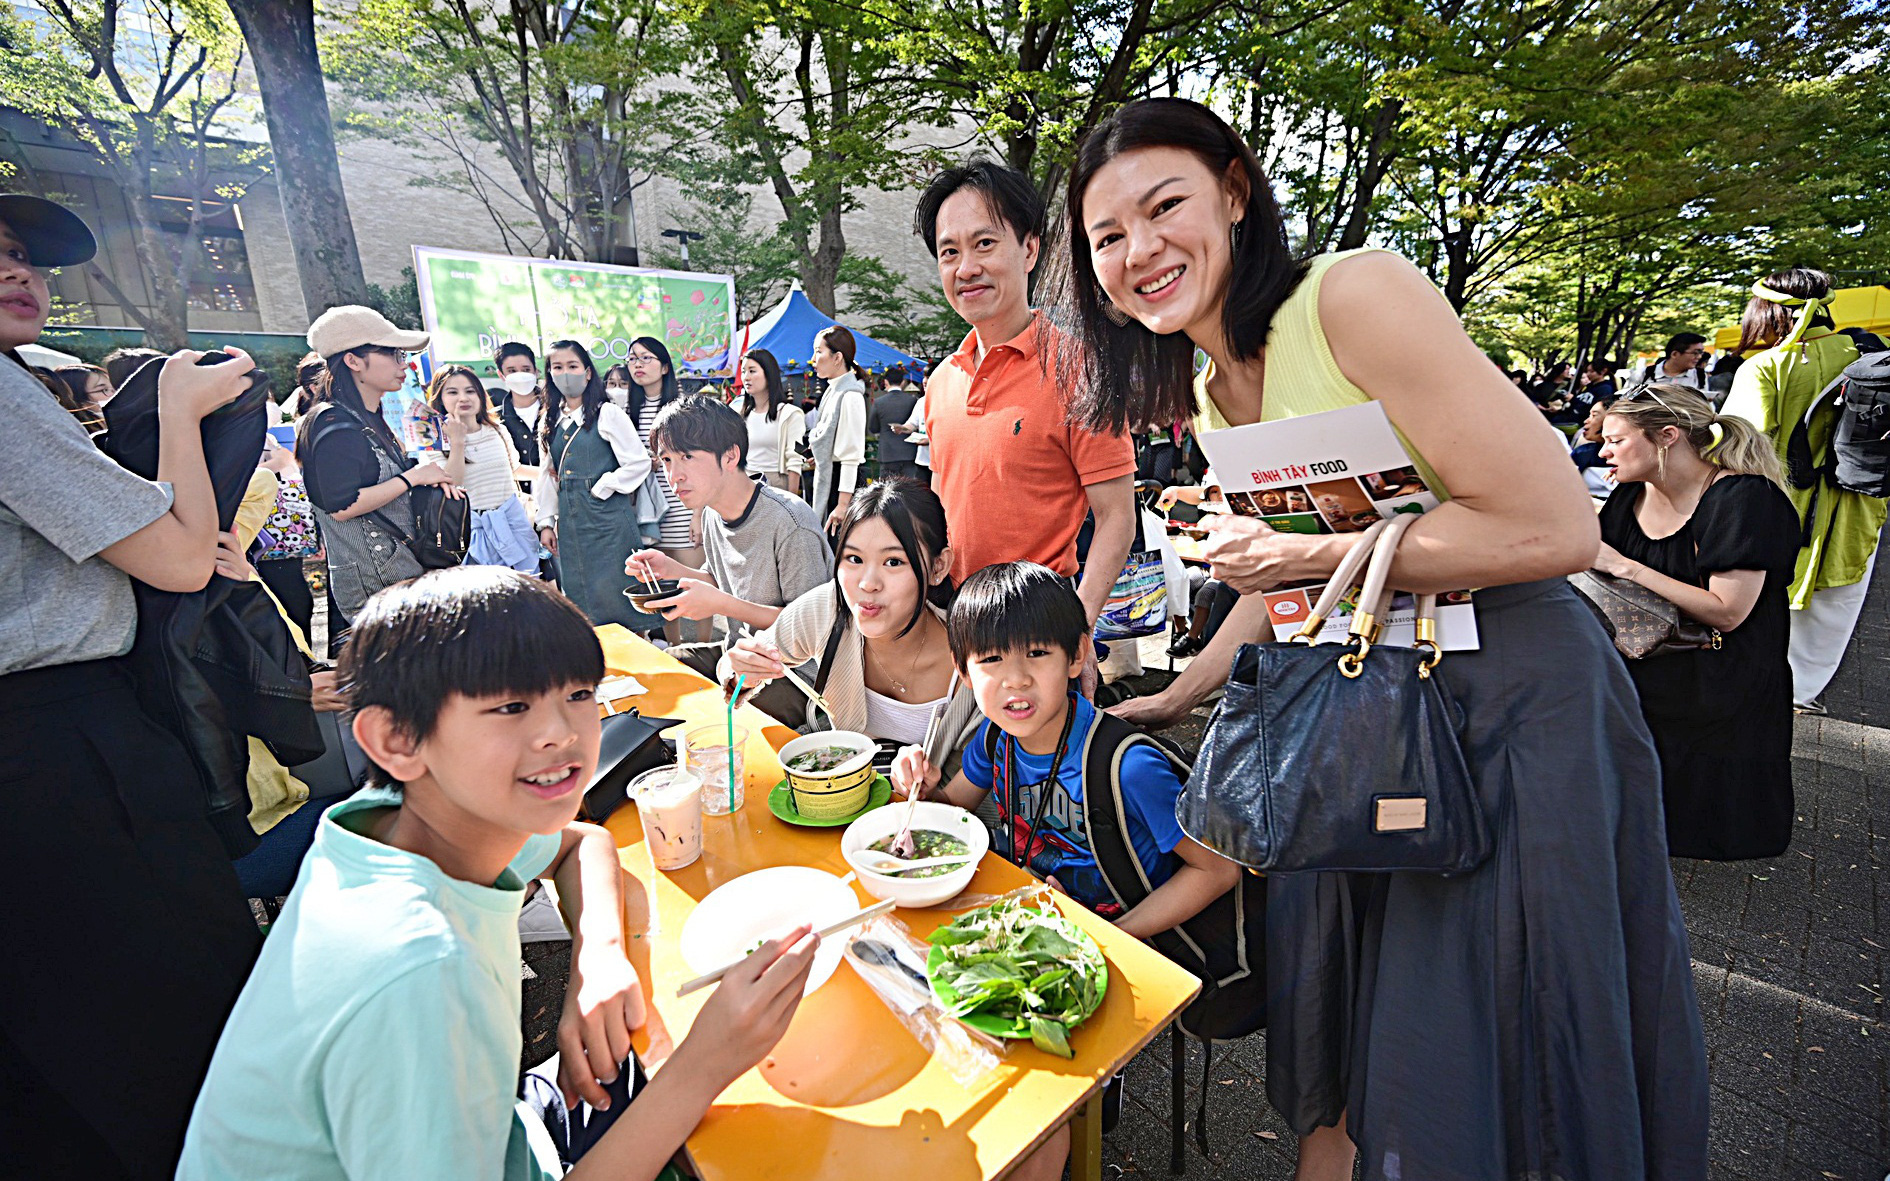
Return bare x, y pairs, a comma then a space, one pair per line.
1698, 517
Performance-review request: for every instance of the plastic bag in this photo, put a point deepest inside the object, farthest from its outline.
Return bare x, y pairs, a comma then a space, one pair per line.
892, 963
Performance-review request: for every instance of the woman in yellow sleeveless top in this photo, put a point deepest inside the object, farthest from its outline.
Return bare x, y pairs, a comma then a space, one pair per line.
1532, 1019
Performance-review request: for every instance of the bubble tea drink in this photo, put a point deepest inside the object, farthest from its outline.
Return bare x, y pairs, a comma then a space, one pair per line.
669, 802
707, 752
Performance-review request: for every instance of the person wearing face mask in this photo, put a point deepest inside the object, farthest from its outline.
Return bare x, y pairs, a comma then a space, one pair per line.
520, 407
147, 940
653, 386
837, 433
356, 471
594, 462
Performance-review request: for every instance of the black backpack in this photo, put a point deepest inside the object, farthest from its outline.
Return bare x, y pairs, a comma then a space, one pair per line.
1225, 945
1857, 458
441, 532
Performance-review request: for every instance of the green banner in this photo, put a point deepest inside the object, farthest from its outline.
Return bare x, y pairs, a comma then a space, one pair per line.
472, 303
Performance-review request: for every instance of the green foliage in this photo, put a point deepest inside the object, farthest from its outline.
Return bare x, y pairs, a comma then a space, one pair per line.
733, 242
399, 303
152, 90
549, 114
914, 319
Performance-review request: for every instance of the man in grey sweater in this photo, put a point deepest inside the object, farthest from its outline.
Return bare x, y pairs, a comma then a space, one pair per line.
764, 547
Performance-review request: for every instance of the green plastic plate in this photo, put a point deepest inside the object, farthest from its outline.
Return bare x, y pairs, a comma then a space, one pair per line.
781, 803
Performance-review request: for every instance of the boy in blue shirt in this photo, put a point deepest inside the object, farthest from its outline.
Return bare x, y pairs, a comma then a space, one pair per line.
1020, 635
379, 1033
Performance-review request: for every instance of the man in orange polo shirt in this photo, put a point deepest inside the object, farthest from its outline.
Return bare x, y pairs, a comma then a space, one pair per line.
1015, 476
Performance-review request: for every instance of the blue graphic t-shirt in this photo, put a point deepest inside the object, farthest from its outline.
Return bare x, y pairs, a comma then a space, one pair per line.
1061, 849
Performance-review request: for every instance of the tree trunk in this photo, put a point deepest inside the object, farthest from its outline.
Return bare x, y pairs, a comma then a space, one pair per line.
1378, 158
281, 37
820, 271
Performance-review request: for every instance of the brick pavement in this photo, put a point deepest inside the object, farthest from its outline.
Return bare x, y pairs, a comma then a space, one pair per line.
1788, 960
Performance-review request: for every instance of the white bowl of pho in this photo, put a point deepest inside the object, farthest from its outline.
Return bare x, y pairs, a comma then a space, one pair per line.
938, 830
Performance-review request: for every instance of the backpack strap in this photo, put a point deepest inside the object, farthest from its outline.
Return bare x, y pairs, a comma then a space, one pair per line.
1802, 468
336, 418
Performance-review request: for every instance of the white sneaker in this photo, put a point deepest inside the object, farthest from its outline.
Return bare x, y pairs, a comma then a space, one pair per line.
539, 920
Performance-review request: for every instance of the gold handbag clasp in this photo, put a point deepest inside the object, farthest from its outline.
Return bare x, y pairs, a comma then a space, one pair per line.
1353, 663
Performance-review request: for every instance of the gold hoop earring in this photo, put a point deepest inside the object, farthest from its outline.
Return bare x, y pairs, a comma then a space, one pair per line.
1116, 315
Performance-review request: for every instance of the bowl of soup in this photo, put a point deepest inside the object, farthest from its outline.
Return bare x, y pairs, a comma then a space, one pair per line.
829, 773
938, 830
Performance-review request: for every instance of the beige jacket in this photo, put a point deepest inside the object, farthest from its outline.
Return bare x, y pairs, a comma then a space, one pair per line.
800, 632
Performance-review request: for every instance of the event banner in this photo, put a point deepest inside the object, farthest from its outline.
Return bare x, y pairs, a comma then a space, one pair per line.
472, 303
1336, 472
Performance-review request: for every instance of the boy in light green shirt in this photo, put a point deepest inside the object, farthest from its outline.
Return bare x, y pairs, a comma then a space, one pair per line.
379, 1034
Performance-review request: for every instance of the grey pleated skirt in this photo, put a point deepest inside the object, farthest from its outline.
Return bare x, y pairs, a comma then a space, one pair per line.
1535, 1018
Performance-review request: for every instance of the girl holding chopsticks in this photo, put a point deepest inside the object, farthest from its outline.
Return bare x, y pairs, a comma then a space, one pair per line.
876, 633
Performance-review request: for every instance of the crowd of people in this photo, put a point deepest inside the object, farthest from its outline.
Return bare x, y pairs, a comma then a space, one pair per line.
1532, 1017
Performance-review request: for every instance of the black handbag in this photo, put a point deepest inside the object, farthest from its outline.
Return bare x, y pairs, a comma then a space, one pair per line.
441, 533
1339, 757
629, 745
442, 527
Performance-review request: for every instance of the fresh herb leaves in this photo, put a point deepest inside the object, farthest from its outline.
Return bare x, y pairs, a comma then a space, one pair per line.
1032, 970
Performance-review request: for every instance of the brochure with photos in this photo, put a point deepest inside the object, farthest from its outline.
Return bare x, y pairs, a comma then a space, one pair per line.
1336, 472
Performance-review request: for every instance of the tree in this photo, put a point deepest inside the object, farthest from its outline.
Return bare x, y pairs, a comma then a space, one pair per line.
545, 111
812, 81
1031, 77
148, 89
281, 39
761, 260
891, 310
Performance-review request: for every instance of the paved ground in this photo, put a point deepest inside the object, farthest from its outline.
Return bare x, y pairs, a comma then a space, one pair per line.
1788, 960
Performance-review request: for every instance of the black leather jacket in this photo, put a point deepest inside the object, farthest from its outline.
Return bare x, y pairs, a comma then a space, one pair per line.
215, 665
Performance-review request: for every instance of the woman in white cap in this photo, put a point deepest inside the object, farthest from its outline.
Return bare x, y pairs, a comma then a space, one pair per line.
1804, 352
139, 933
356, 472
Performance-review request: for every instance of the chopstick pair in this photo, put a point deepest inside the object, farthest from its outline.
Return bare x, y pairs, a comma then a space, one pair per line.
902, 840
708, 978
814, 695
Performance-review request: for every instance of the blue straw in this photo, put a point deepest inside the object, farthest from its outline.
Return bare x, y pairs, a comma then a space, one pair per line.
732, 699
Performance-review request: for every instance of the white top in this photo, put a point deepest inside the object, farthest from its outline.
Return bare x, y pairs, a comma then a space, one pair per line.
889, 717
633, 460
527, 414
674, 525
842, 414
490, 458
918, 437
771, 444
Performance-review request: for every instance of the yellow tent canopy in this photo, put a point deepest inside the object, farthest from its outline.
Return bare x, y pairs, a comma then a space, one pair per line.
1853, 307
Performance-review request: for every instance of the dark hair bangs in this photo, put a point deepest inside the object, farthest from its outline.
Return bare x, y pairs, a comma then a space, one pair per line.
1008, 192
917, 518
479, 631
696, 422
513, 348
771, 373
1126, 374
1015, 605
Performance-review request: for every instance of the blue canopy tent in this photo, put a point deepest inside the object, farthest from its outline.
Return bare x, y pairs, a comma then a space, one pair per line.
787, 330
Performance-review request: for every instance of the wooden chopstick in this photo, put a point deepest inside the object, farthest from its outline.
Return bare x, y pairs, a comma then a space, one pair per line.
708, 978
813, 694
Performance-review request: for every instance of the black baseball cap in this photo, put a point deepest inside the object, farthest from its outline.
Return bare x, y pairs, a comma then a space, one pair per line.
53, 235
